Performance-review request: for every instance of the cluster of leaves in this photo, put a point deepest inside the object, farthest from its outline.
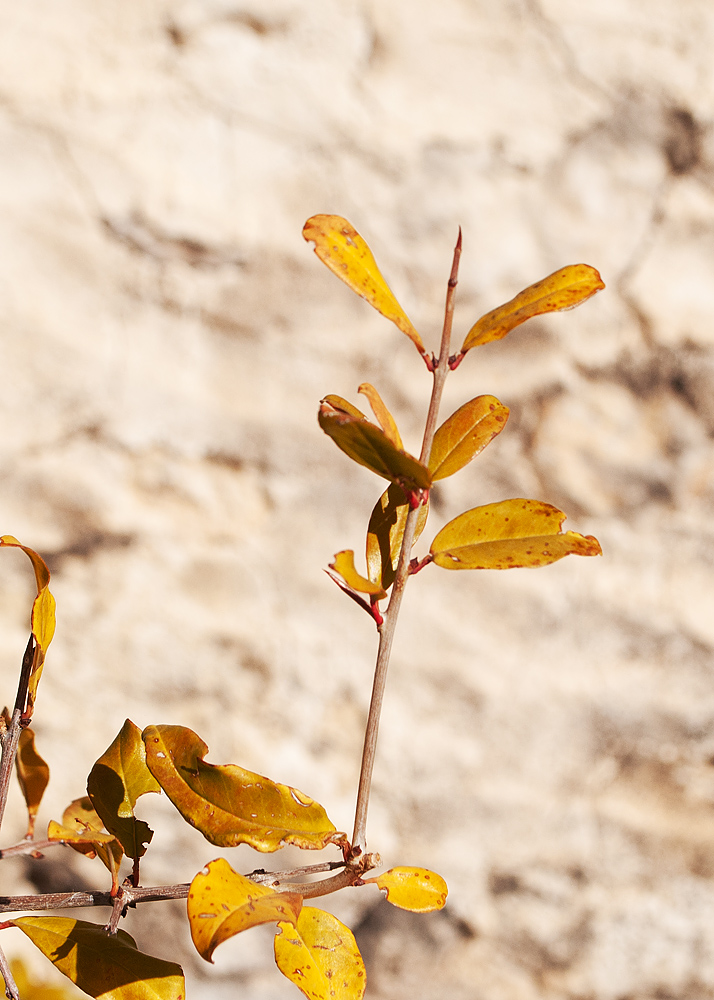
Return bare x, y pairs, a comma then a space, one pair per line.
229, 805
503, 535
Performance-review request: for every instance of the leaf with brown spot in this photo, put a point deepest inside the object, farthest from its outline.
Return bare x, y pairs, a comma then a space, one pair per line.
465, 434
342, 249
507, 535
320, 955
222, 903
108, 967
385, 532
230, 805
564, 289
415, 889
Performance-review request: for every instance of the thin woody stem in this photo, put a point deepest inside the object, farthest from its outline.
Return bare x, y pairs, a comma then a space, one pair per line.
129, 896
29, 847
11, 990
11, 738
388, 627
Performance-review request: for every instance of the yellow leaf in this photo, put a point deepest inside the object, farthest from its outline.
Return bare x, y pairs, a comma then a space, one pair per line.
222, 903
385, 532
320, 956
30, 988
104, 966
465, 434
384, 418
342, 249
415, 889
368, 445
344, 564
42, 618
564, 289
33, 773
230, 805
509, 534
114, 784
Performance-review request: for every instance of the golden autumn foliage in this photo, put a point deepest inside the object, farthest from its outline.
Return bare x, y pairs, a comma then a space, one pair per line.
231, 806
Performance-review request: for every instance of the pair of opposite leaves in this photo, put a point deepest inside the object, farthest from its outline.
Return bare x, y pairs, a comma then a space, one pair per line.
513, 533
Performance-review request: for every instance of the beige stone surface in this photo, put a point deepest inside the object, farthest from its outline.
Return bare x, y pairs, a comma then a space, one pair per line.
548, 736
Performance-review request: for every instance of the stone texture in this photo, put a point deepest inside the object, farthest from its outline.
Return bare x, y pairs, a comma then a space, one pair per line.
548, 736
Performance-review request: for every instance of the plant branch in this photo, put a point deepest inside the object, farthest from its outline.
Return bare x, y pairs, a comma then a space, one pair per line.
11, 990
387, 629
11, 738
29, 847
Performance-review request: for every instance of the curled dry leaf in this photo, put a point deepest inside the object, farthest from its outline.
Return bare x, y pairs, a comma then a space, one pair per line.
230, 805
465, 434
342, 249
320, 955
385, 532
415, 889
368, 445
33, 773
564, 289
82, 829
114, 784
42, 618
344, 564
506, 535
222, 903
108, 967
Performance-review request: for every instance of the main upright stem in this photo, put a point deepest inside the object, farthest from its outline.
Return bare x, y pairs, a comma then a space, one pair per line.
388, 627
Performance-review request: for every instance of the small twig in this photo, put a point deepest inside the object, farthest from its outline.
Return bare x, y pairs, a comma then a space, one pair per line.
11, 990
119, 905
386, 631
29, 847
261, 876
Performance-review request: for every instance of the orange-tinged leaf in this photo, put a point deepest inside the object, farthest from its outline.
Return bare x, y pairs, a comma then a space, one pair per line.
42, 618
415, 889
82, 829
320, 955
230, 805
508, 534
344, 564
222, 903
384, 418
564, 289
104, 966
368, 445
385, 532
465, 434
33, 773
114, 784
342, 249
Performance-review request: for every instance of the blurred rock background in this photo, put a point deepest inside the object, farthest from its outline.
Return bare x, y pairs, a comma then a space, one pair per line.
548, 736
